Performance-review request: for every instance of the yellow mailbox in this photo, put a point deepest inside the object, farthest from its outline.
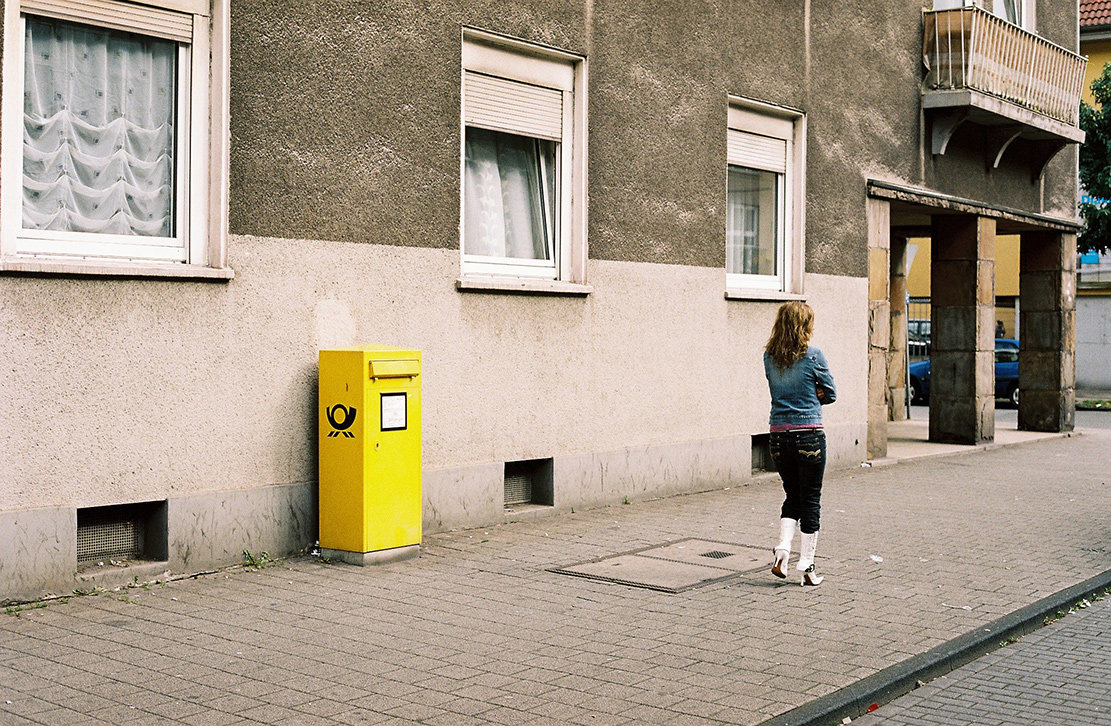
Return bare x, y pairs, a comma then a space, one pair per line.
370, 449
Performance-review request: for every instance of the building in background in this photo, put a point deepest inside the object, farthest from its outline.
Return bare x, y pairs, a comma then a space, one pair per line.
583, 214
1093, 284
1006, 283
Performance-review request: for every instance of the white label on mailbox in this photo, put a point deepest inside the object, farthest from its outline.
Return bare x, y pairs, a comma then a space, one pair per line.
394, 411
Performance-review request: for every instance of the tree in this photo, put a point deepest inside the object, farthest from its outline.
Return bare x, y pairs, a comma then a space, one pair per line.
1095, 167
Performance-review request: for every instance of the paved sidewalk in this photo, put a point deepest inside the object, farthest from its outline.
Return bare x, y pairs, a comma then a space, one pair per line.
1058, 675
477, 631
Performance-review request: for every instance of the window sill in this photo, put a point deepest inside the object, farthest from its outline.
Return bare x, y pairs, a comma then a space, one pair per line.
763, 295
522, 286
105, 268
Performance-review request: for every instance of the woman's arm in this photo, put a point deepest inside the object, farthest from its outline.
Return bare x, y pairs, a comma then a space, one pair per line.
823, 380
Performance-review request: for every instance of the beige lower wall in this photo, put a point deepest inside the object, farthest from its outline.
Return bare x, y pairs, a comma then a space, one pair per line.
129, 390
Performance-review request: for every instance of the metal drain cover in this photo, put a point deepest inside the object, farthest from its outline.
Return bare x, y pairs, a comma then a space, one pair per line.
673, 567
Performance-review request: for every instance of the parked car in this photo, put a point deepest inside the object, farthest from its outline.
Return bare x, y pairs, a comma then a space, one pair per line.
919, 329
1006, 374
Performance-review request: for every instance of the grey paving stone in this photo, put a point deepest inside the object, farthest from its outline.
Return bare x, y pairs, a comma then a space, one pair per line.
459, 633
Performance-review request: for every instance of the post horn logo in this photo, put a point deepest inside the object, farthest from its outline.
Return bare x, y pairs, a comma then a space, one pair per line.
340, 427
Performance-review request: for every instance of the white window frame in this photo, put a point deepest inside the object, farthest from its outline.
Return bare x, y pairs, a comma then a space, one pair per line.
201, 158
515, 60
778, 122
1026, 12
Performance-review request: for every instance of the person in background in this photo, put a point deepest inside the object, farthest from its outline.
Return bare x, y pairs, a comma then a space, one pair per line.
800, 384
1000, 331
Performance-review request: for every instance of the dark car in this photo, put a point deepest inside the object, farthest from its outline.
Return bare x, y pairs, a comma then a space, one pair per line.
1006, 374
919, 329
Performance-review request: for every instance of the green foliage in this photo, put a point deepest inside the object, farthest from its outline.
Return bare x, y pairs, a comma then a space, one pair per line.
15, 610
259, 561
1095, 166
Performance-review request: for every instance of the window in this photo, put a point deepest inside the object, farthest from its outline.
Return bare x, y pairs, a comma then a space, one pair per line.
107, 142
1019, 12
523, 161
763, 210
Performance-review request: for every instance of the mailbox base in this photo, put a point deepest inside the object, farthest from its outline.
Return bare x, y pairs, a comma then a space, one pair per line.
378, 557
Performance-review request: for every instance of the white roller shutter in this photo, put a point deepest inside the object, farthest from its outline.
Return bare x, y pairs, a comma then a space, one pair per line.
500, 104
132, 17
758, 152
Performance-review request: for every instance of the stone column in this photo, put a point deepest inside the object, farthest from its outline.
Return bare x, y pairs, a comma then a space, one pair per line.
879, 323
1047, 332
897, 352
962, 354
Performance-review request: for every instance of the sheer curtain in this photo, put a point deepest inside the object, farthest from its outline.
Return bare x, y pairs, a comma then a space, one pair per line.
508, 195
751, 221
98, 130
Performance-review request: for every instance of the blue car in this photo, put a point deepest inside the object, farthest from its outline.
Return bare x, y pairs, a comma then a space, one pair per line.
1006, 374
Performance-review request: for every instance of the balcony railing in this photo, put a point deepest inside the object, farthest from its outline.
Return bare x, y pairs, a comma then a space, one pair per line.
969, 48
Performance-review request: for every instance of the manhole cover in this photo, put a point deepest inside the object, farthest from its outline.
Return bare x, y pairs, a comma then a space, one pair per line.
673, 567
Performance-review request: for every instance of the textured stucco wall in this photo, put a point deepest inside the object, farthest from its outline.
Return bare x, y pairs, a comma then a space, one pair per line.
345, 118
125, 390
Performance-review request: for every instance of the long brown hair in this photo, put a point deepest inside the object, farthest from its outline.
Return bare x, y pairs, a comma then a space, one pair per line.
794, 323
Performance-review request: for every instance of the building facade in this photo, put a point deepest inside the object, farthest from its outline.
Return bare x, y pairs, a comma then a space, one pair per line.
584, 214
1093, 301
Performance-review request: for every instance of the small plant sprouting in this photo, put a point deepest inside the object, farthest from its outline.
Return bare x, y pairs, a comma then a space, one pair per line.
97, 590
259, 561
626, 501
15, 610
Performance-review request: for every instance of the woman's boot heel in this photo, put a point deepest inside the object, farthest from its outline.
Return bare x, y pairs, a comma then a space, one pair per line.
811, 578
780, 563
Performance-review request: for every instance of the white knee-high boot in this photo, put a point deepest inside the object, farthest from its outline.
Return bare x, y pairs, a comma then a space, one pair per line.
782, 551
806, 559
806, 550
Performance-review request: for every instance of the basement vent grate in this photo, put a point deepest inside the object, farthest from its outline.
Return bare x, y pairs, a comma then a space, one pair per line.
716, 554
111, 539
527, 482
762, 454
518, 489
124, 532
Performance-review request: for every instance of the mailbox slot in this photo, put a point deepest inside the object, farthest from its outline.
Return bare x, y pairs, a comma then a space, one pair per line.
394, 369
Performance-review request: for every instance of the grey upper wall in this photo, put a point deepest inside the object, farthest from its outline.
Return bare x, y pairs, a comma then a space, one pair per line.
345, 117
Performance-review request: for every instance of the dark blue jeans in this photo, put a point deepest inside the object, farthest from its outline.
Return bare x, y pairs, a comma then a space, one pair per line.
800, 459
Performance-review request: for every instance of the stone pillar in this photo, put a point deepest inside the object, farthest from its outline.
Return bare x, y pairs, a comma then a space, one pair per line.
897, 351
1047, 332
962, 354
879, 323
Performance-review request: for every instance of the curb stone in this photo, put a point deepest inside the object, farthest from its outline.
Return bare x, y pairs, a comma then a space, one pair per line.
971, 449
901, 678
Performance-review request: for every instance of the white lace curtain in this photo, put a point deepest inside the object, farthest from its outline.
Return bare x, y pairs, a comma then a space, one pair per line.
751, 223
507, 213
98, 131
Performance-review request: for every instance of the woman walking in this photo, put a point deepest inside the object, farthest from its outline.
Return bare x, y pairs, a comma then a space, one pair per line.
800, 384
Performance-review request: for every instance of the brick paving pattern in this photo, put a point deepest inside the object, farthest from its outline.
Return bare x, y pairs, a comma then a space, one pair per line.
477, 631
1057, 675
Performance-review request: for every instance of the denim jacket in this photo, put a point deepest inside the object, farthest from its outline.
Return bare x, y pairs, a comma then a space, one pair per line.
794, 390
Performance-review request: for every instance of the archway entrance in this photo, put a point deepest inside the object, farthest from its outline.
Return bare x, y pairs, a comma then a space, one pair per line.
962, 349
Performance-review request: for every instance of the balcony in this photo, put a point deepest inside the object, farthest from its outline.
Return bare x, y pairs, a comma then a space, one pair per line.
1011, 84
